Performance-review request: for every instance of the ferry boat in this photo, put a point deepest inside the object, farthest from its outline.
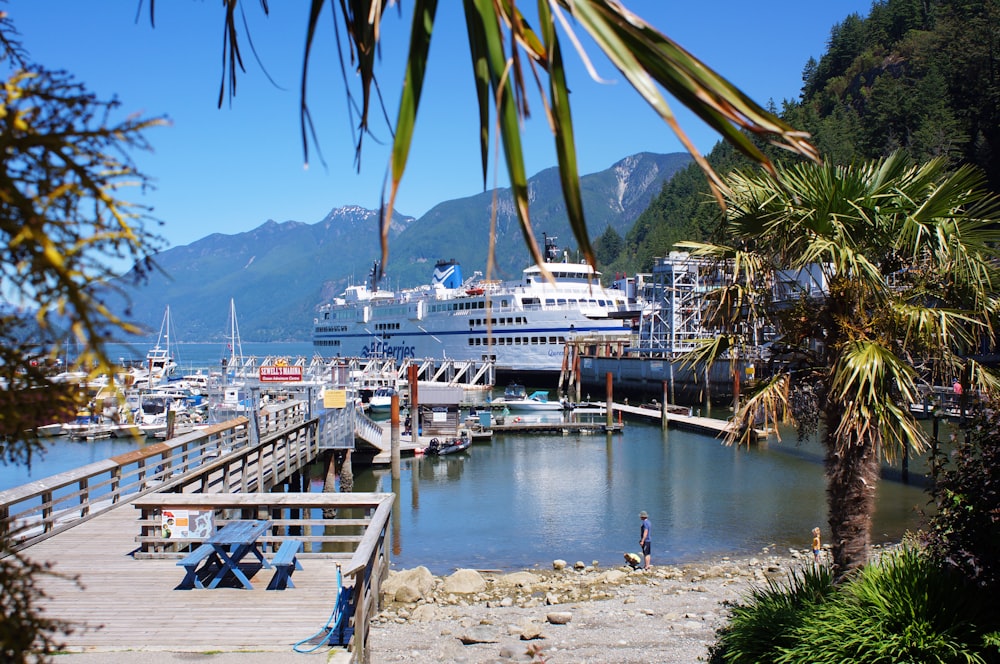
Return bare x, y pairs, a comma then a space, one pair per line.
521, 325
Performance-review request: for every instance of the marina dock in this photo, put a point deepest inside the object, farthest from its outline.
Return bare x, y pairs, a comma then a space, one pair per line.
526, 424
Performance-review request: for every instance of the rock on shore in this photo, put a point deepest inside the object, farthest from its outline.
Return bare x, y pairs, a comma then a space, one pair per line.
572, 613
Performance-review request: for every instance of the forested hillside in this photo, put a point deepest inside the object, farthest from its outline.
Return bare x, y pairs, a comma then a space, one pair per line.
918, 75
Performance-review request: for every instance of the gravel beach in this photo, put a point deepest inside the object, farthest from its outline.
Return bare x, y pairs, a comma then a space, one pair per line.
577, 614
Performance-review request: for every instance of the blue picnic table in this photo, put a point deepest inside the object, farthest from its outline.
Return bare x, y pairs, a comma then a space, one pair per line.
225, 549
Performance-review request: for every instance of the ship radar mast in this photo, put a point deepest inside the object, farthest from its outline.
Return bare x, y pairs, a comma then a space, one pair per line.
551, 249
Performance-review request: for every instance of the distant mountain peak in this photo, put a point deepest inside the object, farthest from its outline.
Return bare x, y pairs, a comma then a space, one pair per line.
279, 272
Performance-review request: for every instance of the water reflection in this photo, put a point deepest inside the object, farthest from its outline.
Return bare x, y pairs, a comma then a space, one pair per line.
524, 500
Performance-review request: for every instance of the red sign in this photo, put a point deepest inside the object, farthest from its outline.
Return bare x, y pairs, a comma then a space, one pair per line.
279, 374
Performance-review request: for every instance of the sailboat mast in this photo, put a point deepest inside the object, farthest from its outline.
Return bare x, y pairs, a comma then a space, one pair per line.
235, 345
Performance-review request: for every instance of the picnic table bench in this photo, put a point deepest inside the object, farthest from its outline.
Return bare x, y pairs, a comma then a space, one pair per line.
285, 561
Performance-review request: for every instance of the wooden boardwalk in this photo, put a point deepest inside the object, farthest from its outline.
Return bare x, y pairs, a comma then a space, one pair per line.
122, 603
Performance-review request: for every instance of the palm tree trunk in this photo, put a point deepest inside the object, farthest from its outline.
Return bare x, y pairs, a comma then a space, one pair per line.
852, 473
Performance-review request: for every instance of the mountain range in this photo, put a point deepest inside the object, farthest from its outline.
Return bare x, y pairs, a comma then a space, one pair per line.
278, 273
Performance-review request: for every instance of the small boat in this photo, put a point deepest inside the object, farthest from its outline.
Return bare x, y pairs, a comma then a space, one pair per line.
381, 401
515, 397
448, 446
49, 430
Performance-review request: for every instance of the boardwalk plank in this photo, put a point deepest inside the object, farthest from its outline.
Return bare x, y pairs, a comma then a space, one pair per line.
132, 604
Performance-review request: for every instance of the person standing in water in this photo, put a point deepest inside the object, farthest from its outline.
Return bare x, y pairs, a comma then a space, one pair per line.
645, 543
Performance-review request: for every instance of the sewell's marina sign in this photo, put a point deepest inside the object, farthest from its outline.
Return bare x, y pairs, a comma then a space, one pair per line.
280, 374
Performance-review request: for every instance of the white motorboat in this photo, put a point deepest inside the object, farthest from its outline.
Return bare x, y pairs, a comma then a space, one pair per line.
381, 400
515, 397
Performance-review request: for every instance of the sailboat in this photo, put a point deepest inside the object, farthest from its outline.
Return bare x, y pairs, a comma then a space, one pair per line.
231, 398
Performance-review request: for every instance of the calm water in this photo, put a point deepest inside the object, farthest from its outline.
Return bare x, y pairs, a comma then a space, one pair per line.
522, 501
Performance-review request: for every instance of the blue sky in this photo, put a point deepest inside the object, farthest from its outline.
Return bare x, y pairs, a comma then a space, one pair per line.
229, 170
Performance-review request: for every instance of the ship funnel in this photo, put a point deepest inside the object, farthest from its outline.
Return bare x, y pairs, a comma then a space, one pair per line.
447, 274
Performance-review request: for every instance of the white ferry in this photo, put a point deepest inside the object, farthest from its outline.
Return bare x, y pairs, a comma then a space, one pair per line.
521, 325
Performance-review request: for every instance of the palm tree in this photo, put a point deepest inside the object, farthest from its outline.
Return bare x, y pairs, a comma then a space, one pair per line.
877, 277
502, 46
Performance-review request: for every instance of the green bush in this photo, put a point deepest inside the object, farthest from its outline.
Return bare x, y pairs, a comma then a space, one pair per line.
964, 530
766, 621
902, 608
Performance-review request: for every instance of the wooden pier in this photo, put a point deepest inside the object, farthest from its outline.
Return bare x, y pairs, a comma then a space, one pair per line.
115, 576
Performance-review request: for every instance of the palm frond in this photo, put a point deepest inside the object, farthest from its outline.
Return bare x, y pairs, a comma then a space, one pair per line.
768, 406
648, 59
875, 388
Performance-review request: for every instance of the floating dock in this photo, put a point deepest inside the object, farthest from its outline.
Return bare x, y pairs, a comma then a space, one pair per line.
557, 427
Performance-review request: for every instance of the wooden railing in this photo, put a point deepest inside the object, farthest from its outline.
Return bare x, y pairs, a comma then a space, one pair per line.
219, 458
42, 508
351, 527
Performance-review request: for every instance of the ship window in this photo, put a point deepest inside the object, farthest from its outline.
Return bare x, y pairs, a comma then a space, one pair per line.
553, 340
562, 301
549, 301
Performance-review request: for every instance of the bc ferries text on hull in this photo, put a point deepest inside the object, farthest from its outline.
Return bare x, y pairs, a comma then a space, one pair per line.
520, 325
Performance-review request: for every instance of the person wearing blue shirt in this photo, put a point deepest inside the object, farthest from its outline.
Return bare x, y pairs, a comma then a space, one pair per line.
644, 539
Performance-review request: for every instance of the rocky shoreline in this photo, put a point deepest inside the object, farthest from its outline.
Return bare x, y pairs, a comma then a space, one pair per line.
571, 613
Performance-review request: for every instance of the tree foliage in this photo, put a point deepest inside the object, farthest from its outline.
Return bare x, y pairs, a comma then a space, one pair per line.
917, 76
608, 247
877, 278
964, 529
64, 161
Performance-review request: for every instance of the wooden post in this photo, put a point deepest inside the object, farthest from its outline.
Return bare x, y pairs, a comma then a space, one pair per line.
394, 436
610, 407
736, 382
347, 474
663, 406
576, 372
330, 480
414, 403
708, 391
673, 394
